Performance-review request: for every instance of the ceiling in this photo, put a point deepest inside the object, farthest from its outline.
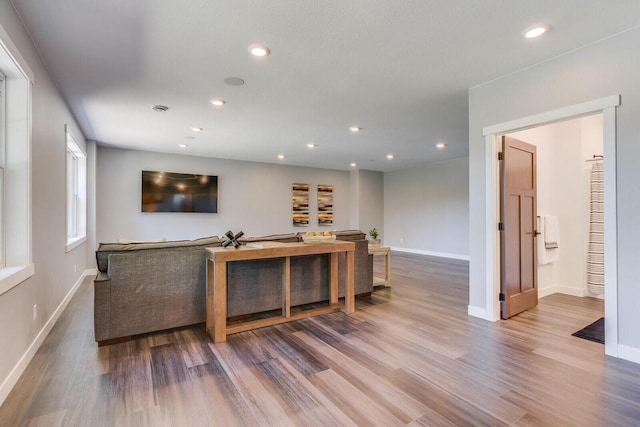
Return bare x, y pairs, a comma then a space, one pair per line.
400, 70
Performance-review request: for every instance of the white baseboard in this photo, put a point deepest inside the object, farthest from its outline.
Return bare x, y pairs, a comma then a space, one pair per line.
549, 290
631, 354
481, 313
19, 368
557, 289
576, 292
431, 253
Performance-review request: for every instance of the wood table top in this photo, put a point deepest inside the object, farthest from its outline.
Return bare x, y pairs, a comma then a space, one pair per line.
284, 250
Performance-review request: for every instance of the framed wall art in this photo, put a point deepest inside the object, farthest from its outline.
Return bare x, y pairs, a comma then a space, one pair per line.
325, 205
300, 198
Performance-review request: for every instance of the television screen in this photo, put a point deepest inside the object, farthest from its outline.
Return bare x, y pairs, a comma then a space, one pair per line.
179, 192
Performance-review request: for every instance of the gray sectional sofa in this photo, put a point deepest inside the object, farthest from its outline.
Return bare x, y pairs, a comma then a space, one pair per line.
146, 287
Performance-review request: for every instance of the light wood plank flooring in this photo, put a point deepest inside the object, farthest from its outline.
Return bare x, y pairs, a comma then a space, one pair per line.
410, 356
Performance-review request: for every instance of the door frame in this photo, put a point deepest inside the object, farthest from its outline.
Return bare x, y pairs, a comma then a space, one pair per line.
606, 106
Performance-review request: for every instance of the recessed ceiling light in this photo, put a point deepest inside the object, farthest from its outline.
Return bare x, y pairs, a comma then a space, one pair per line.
281, 156
389, 156
535, 31
196, 129
159, 108
353, 164
311, 146
441, 145
355, 129
259, 50
218, 102
182, 145
234, 81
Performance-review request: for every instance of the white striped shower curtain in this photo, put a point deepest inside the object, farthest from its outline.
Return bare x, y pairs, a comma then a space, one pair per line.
595, 254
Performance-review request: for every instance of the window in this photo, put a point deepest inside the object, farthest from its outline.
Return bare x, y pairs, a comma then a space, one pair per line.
76, 192
15, 166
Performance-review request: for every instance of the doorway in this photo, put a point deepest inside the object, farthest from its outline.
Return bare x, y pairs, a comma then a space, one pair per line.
566, 153
606, 106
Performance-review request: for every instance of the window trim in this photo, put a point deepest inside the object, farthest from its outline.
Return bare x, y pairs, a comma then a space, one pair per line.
19, 80
74, 243
76, 212
10, 277
3, 131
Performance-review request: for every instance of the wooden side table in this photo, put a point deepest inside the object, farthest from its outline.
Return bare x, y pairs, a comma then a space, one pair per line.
374, 250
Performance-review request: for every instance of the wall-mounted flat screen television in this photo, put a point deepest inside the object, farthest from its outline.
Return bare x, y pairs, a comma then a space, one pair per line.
179, 192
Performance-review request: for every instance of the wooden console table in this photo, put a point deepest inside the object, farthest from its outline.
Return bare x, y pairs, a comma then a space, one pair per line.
386, 251
217, 259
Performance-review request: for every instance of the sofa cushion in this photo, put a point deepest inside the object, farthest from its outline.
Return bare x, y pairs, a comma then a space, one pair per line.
127, 241
284, 238
105, 249
349, 235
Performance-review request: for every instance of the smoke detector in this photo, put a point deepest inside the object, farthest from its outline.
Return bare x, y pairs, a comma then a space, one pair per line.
234, 81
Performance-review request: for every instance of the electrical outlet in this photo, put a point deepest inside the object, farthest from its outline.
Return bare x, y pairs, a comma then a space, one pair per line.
401, 240
35, 311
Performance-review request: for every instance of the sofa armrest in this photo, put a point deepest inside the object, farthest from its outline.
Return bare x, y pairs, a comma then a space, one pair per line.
363, 269
101, 277
157, 290
102, 307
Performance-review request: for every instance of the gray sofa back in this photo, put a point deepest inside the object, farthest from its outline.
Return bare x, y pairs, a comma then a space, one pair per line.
106, 249
144, 287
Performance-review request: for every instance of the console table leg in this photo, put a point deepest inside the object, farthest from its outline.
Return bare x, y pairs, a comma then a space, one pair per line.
350, 293
210, 322
387, 271
286, 291
220, 302
333, 275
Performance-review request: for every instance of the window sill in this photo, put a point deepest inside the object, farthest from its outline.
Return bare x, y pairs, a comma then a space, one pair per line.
74, 243
11, 277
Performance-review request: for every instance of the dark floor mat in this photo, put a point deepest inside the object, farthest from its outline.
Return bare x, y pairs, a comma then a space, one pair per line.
593, 332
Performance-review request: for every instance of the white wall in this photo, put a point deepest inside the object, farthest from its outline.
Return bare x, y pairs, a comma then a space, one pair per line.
253, 197
597, 71
367, 201
56, 272
354, 202
428, 208
371, 202
562, 149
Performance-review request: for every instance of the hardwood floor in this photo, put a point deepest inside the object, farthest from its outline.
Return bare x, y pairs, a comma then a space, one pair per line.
410, 355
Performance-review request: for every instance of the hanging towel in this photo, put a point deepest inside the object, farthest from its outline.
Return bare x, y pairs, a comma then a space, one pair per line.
545, 256
542, 252
551, 232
